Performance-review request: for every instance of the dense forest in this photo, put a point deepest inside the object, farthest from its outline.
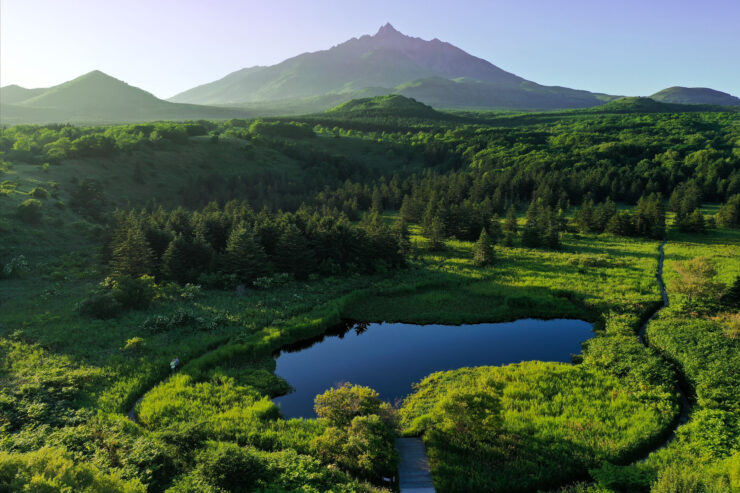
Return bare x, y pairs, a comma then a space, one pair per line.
221, 242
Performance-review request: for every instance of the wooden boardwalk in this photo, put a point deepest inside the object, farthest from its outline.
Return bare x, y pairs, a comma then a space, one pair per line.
414, 473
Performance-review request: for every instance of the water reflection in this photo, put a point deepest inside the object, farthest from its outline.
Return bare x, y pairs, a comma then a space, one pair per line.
389, 357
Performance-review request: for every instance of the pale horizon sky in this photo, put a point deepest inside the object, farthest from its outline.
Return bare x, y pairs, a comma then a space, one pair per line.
624, 47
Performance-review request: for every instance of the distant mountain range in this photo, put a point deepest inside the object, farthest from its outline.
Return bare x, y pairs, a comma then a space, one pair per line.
96, 98
432, 72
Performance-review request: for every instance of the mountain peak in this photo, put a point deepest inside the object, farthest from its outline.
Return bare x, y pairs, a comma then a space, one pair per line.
388, 31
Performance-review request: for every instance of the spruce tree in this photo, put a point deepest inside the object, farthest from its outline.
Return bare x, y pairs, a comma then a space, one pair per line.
401, 232
483, 253
510, 225
245, 257
292, 253
494, 229
531, 232
176, 262
131, 254
552, 237
436, 233
405, 211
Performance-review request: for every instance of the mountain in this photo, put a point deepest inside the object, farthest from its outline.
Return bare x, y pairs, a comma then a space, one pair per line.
434, 72
15, 94
695, 95
97, 98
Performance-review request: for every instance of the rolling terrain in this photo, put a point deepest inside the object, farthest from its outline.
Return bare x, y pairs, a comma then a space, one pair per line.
97, 98
695, 95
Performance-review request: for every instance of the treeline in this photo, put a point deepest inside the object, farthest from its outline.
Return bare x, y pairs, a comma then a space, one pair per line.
271, 129
35, 143
646, 220
232, 245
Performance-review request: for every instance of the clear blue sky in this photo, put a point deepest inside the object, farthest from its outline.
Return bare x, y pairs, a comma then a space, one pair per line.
625, 47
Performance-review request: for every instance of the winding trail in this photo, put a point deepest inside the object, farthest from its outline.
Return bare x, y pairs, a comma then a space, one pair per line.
683, 394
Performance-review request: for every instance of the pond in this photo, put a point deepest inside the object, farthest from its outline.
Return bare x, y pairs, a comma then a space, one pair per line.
389, 357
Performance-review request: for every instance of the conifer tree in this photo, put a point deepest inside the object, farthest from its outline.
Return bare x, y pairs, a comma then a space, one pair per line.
405, 211
245, 257
131, 254
483, 253
401, 231
552, 237
531, 231
494, 229
436, 233
292, 253
510, 224
175, 261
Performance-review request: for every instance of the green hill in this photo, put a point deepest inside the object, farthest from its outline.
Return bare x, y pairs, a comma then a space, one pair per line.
471, 93
649, 105
392, 105
15, 94
695, 95
99, 98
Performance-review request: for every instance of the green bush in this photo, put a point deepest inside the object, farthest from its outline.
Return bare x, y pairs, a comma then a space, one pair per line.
339, 406
101, 305
620, 479
679, 479
132, 292
229, 467
16, 267
50, 470
361, 432
39, 193
30, 211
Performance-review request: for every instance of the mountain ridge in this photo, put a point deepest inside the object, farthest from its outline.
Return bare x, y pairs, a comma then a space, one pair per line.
388, 59
96, 97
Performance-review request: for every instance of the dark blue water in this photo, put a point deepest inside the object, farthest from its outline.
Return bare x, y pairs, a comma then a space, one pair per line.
389, 357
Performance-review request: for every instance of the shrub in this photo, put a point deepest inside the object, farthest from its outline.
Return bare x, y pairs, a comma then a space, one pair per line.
39, 193
468, 416
360, 434
274, 280
161, 323
132, 292
50, 469
101, 305
30, 211
229, 467
339, 406
621, 479
678, 479
16, 267
190, 291
365, 448
134, 345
